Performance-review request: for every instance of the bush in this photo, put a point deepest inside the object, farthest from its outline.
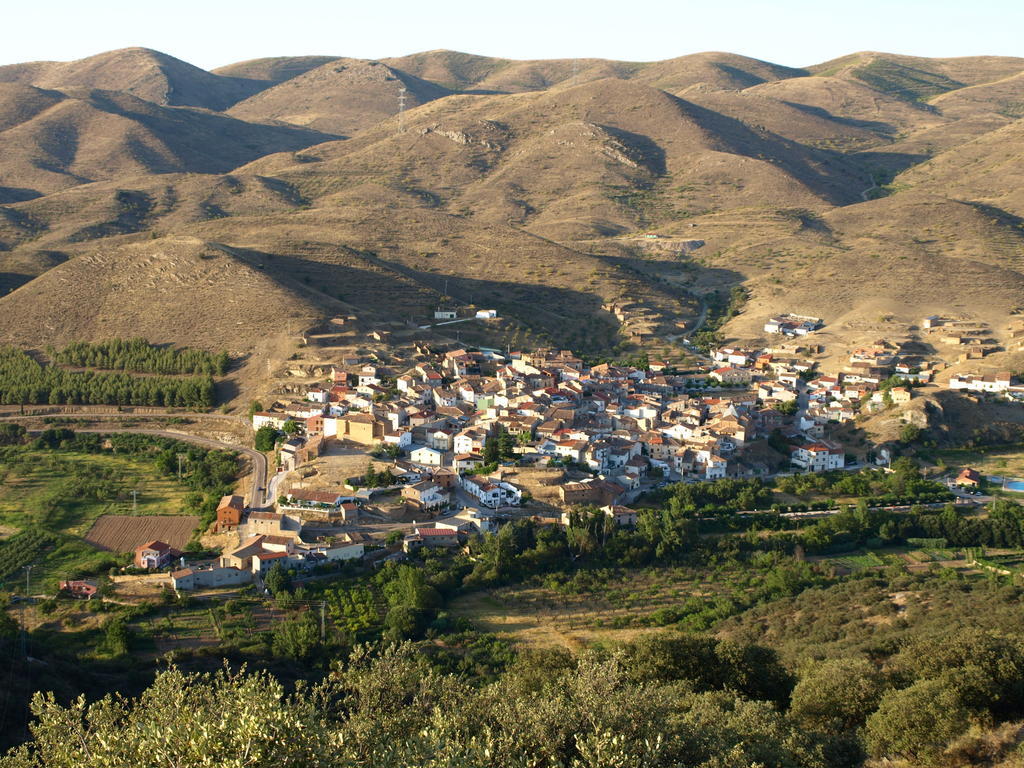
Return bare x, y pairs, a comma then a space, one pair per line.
916, 722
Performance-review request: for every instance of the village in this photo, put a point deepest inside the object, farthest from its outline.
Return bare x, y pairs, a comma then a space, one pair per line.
463, 440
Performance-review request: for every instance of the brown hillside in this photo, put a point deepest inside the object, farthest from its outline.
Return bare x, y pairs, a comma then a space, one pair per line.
912, 255
918, 146
523, 186
176, 289
133, 207
797, 122
340, 97
141, 72
715, 70
650, 154
53, 140
1004, 97
273, 70
453, 70
851, 100
466, 72
914, 78
989, 170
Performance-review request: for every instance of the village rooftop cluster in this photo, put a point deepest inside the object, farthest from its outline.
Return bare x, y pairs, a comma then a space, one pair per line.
455, 431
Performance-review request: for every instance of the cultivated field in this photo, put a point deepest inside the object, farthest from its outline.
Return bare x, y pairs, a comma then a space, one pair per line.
123, 533
67, 491
587, 610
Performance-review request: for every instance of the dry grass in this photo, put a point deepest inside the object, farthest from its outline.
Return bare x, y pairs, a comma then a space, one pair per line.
528, 622
545, 616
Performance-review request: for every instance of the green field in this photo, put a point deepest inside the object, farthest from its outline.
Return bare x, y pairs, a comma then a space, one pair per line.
858, 562
67, 491
49, 500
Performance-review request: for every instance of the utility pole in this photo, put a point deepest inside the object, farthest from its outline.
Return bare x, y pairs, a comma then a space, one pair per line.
135, 498
323, 626
401, 109
24, 626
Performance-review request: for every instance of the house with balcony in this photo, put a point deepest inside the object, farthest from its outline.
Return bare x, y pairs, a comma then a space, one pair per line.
492, 493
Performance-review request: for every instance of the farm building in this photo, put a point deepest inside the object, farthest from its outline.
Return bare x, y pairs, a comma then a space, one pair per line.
217, 576
154, 555
80, 588
229, 513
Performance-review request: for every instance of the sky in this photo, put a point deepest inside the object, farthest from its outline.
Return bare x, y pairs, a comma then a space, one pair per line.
213, 33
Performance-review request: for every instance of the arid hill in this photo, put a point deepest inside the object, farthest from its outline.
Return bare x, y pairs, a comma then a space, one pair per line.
273, 70
147, 74
858, 190
140, 290
51, 140
341, 97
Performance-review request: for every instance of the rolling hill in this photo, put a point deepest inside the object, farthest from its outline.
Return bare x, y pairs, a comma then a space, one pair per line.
141, 72
856, 190
51, 140
340, 97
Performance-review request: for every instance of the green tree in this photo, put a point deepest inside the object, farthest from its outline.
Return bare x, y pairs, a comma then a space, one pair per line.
278, 580
12, 434
266, 438
117, 637
492, 450
909, 433
296, 638
837, 695
788, 408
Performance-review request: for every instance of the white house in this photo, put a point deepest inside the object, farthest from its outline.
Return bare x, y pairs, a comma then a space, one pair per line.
336, 552
1000, 382
426, 495
264, 418
427, 456
818, 457
492, 493
402, 438
486, 314
317, 395
623, 516
715, 467
464, 461
445, 314
469, 441
330, 503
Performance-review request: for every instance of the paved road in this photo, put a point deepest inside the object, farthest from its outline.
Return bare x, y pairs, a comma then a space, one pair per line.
258, 498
